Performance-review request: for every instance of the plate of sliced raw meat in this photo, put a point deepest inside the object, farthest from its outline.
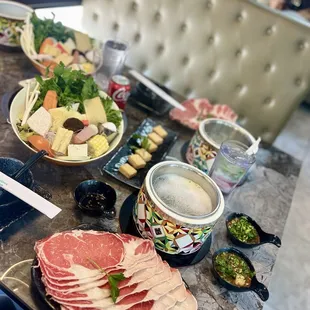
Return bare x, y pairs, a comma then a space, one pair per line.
199, 109
94, 270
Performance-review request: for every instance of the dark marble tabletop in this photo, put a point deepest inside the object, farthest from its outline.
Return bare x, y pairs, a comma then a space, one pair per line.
266, 196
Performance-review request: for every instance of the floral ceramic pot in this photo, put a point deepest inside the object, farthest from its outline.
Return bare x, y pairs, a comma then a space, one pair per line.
207, 141
172, 230
12, 16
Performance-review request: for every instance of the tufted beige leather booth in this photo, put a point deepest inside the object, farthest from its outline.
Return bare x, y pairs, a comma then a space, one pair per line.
235, 52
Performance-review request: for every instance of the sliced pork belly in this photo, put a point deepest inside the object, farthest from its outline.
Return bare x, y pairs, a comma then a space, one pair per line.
147, 305
190, 303
138, 273
148, 271
148, 284
67, 254
137, 250
147, 295
66, 283
169, 300
97, 293
166, 302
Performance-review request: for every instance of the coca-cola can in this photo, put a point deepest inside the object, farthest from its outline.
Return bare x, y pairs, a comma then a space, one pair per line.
119, 90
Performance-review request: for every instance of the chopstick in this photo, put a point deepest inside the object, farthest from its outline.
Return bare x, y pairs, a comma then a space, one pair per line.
158, 91
24, 193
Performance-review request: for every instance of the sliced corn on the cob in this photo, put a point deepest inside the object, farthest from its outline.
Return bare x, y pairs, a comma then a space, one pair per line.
98, 145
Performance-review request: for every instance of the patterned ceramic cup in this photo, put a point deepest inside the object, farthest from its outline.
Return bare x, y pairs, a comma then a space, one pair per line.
173, 231
207, 141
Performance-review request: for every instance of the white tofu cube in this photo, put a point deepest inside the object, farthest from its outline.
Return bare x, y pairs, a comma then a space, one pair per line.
40, 121
77, 150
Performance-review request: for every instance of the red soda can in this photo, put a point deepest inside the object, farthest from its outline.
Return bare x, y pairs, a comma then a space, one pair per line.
119, 90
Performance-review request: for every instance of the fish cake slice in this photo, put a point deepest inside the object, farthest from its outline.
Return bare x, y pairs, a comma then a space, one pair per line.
136, 161
160, 131
127, 171
158, 140
144, 154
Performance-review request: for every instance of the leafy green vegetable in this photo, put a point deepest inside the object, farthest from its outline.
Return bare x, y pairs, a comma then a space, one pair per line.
24, 131
113, 115
141, 141
113, 280
145, 144
133, 147
48, 28
73, 86
136, 136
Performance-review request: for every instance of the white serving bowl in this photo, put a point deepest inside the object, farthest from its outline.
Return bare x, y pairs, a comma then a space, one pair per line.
18, 107
27, 45
12, 15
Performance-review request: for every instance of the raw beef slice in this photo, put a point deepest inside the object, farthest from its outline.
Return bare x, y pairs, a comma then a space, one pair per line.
68, 254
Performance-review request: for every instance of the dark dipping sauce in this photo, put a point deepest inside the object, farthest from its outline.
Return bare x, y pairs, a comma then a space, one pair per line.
233, 269
93, 201
243, 230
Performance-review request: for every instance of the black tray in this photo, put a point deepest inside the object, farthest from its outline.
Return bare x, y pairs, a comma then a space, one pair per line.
143, 98
128, 226
120, 157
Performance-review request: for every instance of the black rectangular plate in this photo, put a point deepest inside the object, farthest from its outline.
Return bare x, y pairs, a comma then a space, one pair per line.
120, 157
150, 104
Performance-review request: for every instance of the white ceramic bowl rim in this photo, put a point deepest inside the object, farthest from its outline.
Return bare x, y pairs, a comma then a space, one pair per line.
18, 5
230, 123
116, 141
203, 220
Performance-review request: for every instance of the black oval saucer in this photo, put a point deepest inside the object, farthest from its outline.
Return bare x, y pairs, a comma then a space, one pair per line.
259, 288
184, 149
128, 226
263, 236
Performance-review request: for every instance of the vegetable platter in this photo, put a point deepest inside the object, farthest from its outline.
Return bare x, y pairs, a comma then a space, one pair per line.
68, 116
47, 43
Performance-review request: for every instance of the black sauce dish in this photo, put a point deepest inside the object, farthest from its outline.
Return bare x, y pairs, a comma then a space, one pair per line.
257, 287
9, 166
263, 236
96, 198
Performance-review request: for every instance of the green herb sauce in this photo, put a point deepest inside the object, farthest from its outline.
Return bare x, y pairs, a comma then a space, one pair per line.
233, 269
243, 230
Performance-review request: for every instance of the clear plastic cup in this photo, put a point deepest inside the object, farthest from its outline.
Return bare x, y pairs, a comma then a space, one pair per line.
114, 56
231, 165
113, 60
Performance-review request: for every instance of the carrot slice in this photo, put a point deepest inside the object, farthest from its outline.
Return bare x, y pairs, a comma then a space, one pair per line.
40, 143
50, 64
50, 100
47, 41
